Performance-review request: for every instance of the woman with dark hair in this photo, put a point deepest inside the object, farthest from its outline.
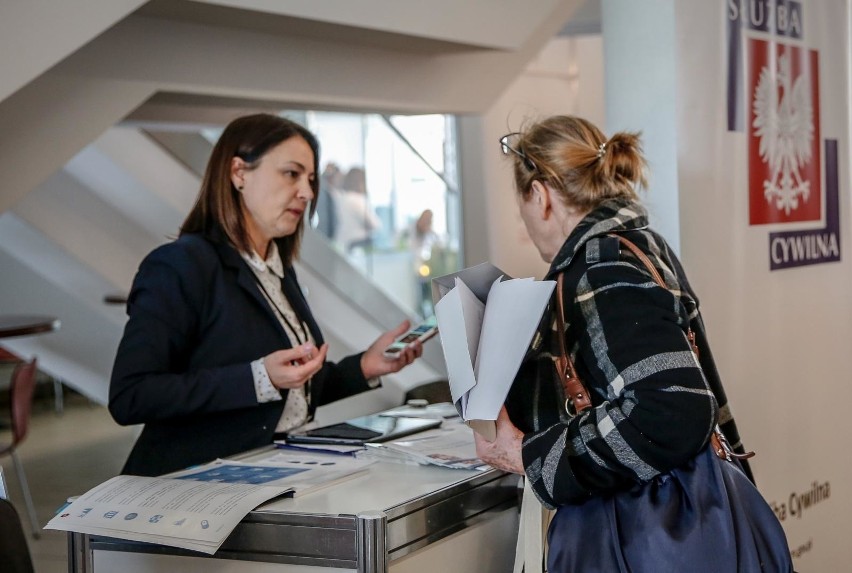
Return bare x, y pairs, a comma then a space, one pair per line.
622, 459
221, 350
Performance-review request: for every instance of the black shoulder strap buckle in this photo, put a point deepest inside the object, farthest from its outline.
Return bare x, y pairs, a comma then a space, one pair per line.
602, 249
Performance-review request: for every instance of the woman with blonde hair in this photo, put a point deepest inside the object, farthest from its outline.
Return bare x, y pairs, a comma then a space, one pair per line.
613, 415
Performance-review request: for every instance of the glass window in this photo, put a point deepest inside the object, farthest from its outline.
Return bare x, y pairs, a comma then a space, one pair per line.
389, 200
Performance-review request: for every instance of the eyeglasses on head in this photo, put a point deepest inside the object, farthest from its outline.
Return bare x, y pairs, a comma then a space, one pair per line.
507, 146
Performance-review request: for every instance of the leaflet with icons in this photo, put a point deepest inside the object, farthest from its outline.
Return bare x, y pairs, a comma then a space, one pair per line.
197, 508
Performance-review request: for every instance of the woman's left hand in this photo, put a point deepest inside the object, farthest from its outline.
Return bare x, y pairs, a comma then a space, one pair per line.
375, 363
504, 452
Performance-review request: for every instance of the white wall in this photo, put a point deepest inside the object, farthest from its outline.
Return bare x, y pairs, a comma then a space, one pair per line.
198, 50
642, 96
509, 22
37, 34
565, 78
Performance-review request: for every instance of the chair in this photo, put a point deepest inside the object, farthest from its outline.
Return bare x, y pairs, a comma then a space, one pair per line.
14, 553
20, 400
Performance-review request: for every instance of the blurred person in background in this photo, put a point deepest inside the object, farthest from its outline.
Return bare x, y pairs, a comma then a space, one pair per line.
422, 241
325, 215
356, 220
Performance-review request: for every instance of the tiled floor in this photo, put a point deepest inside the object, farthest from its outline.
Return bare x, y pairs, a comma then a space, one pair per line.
63, 455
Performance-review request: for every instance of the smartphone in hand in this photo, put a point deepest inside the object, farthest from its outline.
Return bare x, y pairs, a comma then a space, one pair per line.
422, 332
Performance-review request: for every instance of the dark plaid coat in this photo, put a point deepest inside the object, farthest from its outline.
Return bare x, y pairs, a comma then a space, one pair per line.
653, 405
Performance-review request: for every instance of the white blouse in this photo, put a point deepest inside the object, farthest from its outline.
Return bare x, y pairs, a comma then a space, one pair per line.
269, 274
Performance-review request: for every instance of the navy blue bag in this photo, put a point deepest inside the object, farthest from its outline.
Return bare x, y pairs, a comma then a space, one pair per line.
703, 517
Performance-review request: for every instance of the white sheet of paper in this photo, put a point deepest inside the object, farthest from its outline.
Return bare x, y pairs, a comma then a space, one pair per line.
478, 278
512, 315
198, 508
182, 513
310, 471
450, 446
482, 328
474, 311
458, 354
494, 336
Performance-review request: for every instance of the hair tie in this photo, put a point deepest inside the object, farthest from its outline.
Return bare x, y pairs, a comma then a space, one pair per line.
601, 149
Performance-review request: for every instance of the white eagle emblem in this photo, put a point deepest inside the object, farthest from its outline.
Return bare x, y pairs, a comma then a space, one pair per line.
786, 131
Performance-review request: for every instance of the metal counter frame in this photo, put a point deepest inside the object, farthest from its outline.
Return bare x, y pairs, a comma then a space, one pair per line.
366, 542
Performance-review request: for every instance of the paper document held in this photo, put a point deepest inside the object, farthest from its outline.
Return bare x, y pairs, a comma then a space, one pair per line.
486, 321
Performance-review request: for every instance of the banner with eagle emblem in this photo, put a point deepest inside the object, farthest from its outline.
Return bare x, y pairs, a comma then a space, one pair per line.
784, 151
793, 173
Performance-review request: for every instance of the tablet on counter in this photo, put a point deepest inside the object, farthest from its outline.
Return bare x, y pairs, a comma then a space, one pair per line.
372, 429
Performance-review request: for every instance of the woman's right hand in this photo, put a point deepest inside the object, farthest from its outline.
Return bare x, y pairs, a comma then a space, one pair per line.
293, 367
505, 451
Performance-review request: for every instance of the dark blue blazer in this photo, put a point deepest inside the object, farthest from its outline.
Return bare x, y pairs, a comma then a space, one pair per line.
196, 322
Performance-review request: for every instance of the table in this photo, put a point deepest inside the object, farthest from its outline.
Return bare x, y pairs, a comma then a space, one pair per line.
115, 298
395, 519
12, 325
26, 324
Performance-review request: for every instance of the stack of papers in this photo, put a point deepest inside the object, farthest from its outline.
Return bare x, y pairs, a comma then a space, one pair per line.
198, 508
450, 446
317, 470
486, 323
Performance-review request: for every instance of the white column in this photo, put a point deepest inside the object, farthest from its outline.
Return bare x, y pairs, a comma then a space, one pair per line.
640, 81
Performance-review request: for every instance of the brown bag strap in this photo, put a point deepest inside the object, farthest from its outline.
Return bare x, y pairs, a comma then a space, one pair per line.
576, 397
640, 254
657, 278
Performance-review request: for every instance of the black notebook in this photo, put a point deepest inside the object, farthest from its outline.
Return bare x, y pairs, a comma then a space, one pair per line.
365, 430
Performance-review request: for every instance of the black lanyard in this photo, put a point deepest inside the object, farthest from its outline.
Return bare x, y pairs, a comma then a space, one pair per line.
280, 312
283, 316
